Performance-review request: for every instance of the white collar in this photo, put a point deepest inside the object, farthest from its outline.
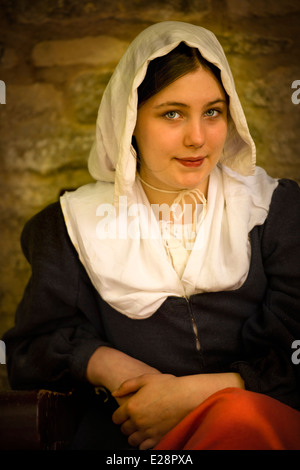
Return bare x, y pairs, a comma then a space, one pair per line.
133, 273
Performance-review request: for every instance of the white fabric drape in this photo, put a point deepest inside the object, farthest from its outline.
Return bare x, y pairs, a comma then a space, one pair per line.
109, 222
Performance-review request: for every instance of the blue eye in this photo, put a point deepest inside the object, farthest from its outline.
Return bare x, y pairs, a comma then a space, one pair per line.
172, 115
212, 113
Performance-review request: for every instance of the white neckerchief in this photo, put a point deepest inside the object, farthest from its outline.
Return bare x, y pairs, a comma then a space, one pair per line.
177, 233
133, 273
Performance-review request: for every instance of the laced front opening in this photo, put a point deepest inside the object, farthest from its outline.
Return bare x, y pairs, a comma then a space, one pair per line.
179, 231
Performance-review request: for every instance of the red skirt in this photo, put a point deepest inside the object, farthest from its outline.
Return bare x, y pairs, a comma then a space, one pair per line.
235, 419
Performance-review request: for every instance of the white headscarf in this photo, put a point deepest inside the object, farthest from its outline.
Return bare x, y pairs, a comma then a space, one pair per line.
133, 273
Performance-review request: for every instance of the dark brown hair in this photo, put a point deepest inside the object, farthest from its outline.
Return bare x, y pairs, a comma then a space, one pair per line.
164, 70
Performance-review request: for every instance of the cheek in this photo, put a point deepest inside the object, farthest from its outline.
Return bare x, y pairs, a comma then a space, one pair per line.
218, 136
153, 141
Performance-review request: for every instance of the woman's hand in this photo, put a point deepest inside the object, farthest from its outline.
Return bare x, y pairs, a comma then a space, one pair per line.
157, 402
151, 403
151, 409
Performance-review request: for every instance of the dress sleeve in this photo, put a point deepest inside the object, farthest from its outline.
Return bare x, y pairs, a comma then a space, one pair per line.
57, 324
268, 336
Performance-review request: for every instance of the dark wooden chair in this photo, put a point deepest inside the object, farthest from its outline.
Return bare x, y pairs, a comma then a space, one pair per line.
48, 420
40, 420
37, 420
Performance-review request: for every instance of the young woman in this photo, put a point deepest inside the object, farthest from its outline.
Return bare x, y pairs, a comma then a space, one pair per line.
173, 280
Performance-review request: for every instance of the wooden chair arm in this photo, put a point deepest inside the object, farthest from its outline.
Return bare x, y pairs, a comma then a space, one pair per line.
40, 419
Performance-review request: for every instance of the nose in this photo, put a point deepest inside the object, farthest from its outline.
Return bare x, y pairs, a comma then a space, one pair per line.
194, 133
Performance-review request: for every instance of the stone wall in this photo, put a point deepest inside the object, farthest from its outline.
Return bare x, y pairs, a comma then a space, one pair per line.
56, 57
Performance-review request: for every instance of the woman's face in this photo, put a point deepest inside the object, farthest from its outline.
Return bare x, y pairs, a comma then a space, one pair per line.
181, 131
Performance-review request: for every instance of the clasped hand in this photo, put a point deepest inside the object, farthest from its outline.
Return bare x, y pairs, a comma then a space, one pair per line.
153, 403
153, 407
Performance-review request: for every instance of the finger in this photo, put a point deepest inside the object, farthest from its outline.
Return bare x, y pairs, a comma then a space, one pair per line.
128, 427
127, 387
120, 415
148, 444
136, 438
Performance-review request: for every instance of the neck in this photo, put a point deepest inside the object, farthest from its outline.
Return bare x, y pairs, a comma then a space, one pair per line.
164, 196
181, 201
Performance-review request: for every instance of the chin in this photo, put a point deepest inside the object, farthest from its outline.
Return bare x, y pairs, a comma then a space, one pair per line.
193, 183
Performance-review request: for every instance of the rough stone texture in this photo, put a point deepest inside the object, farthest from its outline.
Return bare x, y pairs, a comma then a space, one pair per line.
253, 45
56, 57
267, 8
89, 50
85, 92
26, 11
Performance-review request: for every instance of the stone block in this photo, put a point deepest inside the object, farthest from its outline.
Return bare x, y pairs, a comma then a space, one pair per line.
8, 57
85, 92
31, 101
26, 11
88, 50
274, 91
49, 153
257, 8
252, 45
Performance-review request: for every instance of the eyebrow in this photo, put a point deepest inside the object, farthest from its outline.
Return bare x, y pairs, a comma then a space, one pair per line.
184, 105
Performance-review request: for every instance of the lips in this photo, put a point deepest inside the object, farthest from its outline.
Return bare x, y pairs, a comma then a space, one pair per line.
192, 162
